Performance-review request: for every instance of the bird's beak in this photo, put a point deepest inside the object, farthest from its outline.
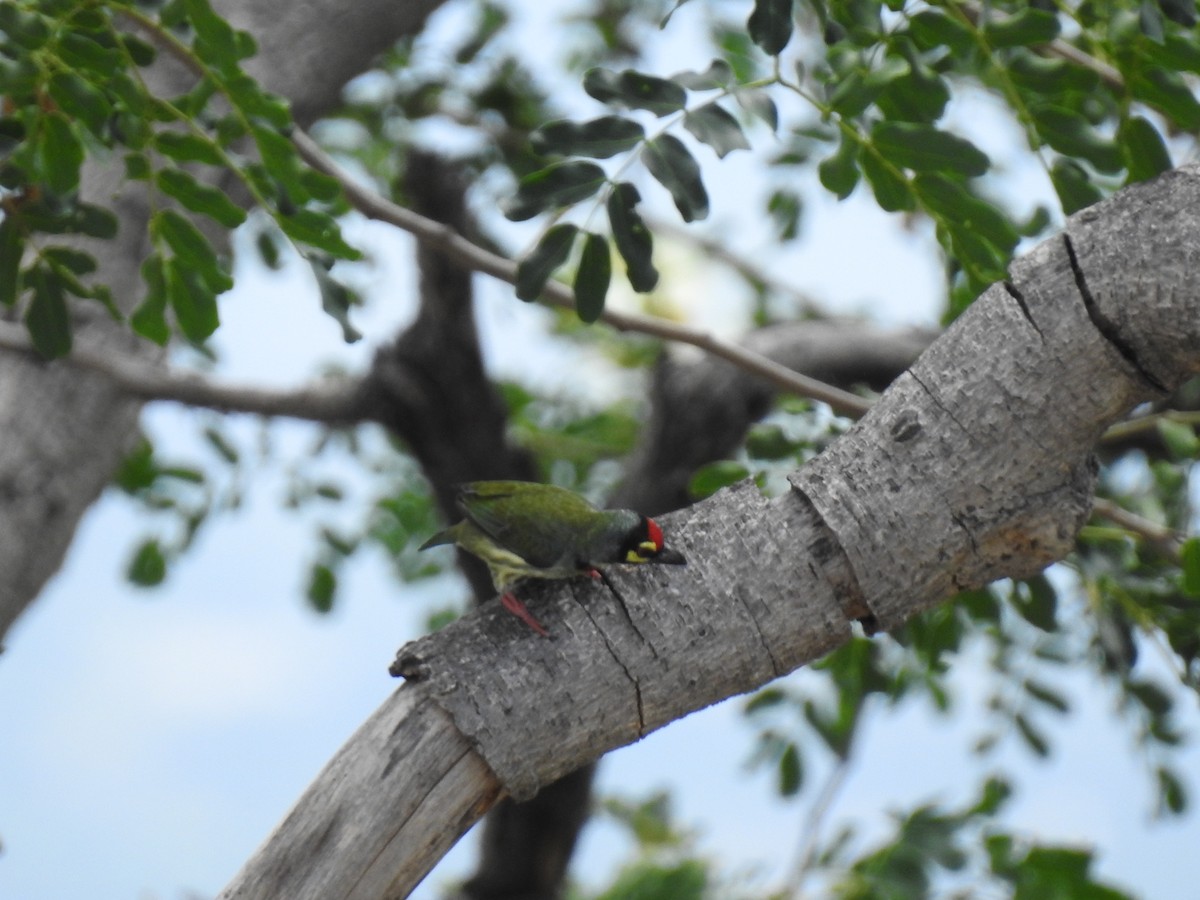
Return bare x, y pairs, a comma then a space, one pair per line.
669, 557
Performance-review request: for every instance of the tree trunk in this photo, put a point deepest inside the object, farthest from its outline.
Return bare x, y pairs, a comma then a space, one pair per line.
976, 465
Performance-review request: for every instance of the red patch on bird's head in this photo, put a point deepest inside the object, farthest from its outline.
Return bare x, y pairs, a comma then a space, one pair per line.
654, 533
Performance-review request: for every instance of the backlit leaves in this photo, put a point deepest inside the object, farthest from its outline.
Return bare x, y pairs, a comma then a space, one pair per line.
669, 161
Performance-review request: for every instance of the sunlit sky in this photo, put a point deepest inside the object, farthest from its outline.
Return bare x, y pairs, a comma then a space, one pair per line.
153, 739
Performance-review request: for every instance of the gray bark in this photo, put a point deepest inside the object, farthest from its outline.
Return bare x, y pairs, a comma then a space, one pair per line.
976, 465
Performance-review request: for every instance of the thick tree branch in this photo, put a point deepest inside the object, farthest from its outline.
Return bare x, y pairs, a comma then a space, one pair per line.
975, 465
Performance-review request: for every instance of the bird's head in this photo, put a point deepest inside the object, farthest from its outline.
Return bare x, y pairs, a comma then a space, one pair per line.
645, 544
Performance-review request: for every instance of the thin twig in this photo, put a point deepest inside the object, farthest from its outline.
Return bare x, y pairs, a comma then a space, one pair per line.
822, 803
334, 402
476, 258
1160, 537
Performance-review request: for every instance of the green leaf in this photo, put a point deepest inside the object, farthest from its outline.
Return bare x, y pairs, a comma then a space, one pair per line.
1037, 602
1046, 695
791, 773
322, 586
200, 198
669, 161
1169, 93
598, 138
714, 126
148, 566
150, 318
24, 27
1172, 794
554, 187
632, 237
785, 208
79, 51
951, 200
932, 29
186, 147
74, 261
12, 248
1068, 132
770, 24
923, 148
137, 167
1075, 191
192, 249
892, 191
317, 229
1032, 737
1190, 561
336, 298
217, 36
719, 74
194, 304
919, 96
1142, 148
94, 221
551, 252
59, 153
592, 277
47, 317
1029, 26
711, 478
760, 105
636, 90
79, 99
1181, 440
839, 173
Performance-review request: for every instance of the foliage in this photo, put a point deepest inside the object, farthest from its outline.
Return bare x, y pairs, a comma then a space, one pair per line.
78, 80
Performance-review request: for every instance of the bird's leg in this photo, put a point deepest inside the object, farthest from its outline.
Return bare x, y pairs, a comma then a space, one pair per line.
595, 574
510, 602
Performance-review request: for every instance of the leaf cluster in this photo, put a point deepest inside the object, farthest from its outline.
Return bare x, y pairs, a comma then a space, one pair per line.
77, 78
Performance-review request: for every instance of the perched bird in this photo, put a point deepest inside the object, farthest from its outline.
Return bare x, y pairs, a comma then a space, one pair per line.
527, 530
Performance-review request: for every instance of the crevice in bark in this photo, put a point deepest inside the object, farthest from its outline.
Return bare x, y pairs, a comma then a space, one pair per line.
1024, 306
1105, 325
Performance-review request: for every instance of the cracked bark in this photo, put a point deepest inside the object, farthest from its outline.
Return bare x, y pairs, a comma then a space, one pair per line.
976, 467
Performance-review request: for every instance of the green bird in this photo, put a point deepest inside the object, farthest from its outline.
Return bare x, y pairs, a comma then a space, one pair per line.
527, 530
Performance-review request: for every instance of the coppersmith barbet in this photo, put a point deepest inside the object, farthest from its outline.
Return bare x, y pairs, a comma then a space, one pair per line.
527, 530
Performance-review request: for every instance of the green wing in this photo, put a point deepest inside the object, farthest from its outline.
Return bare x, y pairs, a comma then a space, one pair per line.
538, 522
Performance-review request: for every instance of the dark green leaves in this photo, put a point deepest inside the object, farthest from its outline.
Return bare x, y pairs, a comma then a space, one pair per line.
770, 24
559, 185
12, 246
1029, 26
924, 148
148, 566
714, 126
59, 153
839, 173
46, 317
635, 89
550, 253
1142, 149
599, 138
592, 278
200, 198
632, 237
673, 166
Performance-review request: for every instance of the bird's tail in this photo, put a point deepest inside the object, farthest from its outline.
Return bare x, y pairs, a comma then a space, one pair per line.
445, 536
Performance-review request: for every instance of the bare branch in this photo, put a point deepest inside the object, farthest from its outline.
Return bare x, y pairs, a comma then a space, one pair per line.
333, 402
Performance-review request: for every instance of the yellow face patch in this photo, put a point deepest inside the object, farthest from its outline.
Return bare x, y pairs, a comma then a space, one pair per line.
643, 553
